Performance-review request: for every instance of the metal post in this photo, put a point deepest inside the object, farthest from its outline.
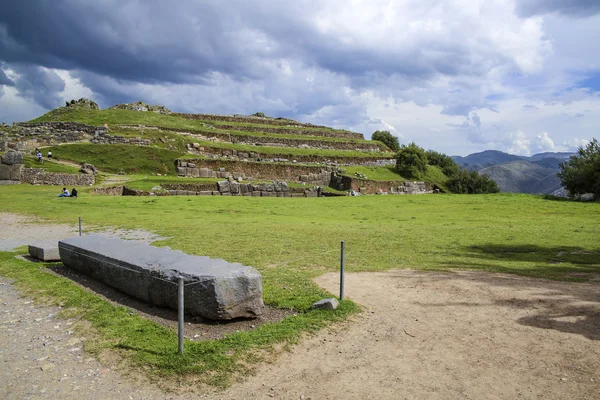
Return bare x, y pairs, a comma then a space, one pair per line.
342, 272
180, 321
79, 226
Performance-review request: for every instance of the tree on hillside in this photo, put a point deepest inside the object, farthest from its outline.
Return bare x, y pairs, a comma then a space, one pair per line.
411, 160
581, 173
448, 166
387, 138
470, 182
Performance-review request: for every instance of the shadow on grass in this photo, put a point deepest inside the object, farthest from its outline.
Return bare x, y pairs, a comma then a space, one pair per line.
568, 263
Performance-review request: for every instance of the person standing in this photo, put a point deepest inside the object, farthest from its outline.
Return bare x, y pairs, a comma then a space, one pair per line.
49, 154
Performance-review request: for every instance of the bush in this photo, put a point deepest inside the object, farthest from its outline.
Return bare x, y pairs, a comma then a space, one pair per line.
470, 182
581, 173
386, 138
448, 166
411, 161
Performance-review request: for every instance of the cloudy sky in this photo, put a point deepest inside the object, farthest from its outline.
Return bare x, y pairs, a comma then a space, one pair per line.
456, 76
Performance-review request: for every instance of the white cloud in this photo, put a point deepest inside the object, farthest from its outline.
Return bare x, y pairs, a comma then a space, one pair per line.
544, 143
516, 143
575, 143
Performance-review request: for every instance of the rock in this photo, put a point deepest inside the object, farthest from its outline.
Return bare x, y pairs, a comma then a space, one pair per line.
223, 186
11, 172
44, 253
12, 157
88, 169
326, 304
218, 290
141, 106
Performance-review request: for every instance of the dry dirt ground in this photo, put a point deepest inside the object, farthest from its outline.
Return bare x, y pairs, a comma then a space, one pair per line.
461, 335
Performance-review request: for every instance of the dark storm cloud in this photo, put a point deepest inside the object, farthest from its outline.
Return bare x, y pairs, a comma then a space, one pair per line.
5, 80
573, 8
152, 41
39, 84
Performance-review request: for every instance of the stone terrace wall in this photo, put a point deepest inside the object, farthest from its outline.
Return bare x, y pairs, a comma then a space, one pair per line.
38, 176
224, 188
378, 187
286, 130
214, 152
269, 121
51, 133
316, 175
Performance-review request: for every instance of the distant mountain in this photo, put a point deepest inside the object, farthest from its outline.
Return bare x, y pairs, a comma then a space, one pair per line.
523, 177
518, 174
541, 156
484, 159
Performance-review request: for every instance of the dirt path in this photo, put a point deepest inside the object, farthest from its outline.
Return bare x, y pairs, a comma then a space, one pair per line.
464, 335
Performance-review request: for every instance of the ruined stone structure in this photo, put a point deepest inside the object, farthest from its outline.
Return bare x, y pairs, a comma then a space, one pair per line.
39, 176
207, 168
365, 186
215, 289
11, 166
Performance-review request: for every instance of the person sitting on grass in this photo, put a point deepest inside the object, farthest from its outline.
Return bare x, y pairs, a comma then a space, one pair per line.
74, 192
65, 193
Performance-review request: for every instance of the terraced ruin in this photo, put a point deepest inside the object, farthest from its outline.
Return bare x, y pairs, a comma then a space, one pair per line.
210, 148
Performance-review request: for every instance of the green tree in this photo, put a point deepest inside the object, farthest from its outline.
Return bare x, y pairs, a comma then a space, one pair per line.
411, 161
581, 173
470, 182
386, 138
448, 166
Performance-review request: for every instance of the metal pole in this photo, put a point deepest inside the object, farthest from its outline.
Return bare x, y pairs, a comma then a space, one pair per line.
79, 226
342, 272
180, 313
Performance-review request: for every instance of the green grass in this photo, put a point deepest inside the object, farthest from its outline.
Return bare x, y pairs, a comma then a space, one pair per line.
115, 158
292, 241
387, 173
50, 166
118, 117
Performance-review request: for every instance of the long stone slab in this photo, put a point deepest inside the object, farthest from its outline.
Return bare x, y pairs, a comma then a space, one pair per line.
44, 253
220, 290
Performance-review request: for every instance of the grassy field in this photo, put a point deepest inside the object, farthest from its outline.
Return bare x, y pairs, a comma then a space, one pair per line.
115, 158
291, 241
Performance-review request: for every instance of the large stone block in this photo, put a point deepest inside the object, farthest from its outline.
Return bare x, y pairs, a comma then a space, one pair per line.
44, 253
217, 289
12, 157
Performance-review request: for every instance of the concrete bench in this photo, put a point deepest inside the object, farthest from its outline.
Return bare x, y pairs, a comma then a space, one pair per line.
220, 290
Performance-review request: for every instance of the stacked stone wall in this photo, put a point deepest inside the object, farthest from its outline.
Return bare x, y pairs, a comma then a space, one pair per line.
365, 186
283, 126
38, 176
211, 168
215, 152
51, 133
11, 167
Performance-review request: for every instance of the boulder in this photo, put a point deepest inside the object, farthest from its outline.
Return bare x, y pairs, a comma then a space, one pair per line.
12, 157
326, 304
215, 289
11, 172
88, 169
